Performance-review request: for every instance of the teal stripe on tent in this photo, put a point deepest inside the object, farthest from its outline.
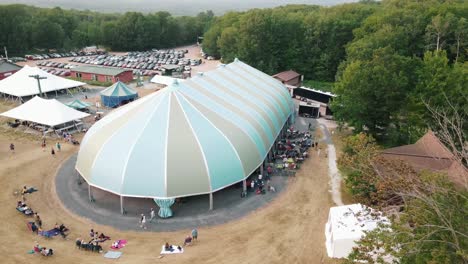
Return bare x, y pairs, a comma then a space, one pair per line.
146, 162
224, 167
237, 104
227, 114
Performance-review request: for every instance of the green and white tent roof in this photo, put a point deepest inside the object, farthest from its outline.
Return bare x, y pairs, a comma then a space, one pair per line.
77, 104
194, 137
118, 89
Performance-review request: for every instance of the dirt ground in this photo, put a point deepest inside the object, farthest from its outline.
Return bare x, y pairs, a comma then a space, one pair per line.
289, 230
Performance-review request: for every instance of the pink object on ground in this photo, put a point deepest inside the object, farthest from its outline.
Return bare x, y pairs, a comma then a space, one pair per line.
120, 244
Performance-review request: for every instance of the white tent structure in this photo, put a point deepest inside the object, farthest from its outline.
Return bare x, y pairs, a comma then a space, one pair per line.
193, 137
164, 80
346, 225
21, 84
45, 112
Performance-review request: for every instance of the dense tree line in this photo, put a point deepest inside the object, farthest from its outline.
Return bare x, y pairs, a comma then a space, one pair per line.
388, 58
25, 28
309, 39
404, 56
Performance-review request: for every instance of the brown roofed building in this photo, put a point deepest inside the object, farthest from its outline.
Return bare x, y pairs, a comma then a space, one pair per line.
289, 77
428, 153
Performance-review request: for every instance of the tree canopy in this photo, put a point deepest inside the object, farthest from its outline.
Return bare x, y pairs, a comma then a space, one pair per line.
26, 28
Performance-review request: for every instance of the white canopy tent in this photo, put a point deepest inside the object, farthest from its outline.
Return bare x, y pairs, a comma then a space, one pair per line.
346, 225
21, 84
164, 80
45, 112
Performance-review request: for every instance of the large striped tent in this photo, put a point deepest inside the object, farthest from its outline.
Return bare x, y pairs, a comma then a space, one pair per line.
194, 137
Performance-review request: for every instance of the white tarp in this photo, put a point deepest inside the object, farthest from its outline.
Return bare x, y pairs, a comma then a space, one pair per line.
46, 112
20, 84
346, 225
164, 80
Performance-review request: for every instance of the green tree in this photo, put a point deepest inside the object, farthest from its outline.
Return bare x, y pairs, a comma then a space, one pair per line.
372, 94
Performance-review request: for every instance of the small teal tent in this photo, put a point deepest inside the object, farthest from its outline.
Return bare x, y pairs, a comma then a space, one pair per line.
118, 94
77, 104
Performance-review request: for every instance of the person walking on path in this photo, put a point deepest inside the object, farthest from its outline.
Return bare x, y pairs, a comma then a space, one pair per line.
59, 147
152, 215
43, 145
143, 221
52, 151
12, 148
194, 234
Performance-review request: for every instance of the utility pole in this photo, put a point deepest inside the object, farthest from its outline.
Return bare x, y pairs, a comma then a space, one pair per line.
38, 78
6, 52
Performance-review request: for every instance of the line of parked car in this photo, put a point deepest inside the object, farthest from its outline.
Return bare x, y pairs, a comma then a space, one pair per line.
56, 64
147, 60
62, 55
58, 72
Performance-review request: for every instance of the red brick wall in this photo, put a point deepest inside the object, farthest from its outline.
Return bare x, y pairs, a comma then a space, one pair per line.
125, 77
3, 75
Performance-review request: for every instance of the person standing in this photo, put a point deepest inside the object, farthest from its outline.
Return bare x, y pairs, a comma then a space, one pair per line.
59, 147
194, 234
52, 151
12, 148
143, 221
43, 144
152, 215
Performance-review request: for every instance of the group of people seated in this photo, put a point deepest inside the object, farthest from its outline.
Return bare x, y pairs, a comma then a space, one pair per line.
67, 137
171, 248
24, 208
62, 229
92, 246
97, 238
43, 250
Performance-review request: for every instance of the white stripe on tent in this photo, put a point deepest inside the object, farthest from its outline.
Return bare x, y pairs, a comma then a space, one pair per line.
166, 141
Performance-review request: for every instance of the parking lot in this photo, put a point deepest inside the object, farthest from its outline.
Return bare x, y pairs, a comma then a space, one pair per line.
187, 59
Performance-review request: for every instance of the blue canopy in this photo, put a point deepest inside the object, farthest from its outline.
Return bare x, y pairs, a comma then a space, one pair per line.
118, 94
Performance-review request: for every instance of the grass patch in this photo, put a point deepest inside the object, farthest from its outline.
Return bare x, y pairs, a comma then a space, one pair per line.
324, 86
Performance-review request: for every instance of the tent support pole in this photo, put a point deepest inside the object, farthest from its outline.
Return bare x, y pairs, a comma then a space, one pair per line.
211, 201
244, 185
121, 205
261, 167
89, 193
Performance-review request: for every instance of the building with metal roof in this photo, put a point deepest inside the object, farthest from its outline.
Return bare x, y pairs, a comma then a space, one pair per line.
289, 77
7, 69
194, 137
102, 74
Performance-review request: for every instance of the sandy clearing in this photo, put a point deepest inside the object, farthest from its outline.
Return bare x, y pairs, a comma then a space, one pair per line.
271, 234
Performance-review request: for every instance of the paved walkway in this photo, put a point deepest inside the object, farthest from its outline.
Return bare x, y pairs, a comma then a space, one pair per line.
335, 176
228, 204
194, 212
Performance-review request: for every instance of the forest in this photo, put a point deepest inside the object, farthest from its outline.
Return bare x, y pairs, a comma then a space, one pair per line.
28, 29
392, 57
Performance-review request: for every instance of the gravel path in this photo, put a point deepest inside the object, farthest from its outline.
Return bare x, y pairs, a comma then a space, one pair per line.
335, 176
